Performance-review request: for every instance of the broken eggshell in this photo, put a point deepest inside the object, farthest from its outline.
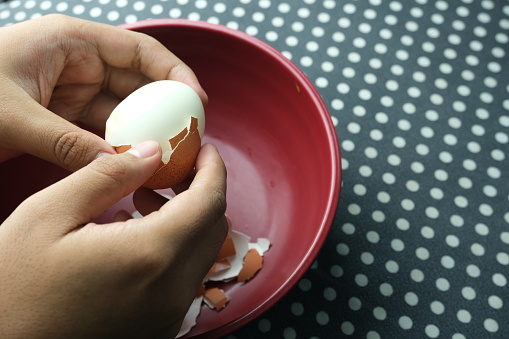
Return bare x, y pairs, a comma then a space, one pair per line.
169, 112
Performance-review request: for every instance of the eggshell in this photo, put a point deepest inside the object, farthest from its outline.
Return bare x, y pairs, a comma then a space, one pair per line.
168, 112
190, 318
253, 262
227, 249
215, 298
241, 243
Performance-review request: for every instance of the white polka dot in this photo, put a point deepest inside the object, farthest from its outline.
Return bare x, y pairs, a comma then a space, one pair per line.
264, 325
373, 237
297, 309
131, 18
477, 249
499, 279
113, 16
386, 289
442, 284
78, 9
258, 16
347, 328
447, 262
397, 245
365, 171
389, 178
121, 3
342, 249
303, 12
493, 172
394, 160
379, 313
456, 220
452, 240
422, 253
336, 271
195, 16
503, 258
405, 322
437, 307
468, 293
391, 266
461, 201
383, 197
359, 42
411, 299
177, 13
348, 228
271, 36
495, 302
361, 280
367, 258
491, 325
289, 333
322, 318
354, 303
373, 335
417, 275
482, 229
238, 12
473, 271
436, 193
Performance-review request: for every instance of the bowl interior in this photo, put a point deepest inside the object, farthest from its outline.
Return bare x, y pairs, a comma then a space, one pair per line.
280, 148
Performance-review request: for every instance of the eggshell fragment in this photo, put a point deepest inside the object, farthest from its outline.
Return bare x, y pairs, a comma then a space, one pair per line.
219, 266
262, 245
168, 112
253, 262
241, 242
215, 298
190, 318
227, 250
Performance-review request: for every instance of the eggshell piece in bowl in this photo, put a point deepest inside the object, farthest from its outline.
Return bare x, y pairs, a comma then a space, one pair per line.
253, 262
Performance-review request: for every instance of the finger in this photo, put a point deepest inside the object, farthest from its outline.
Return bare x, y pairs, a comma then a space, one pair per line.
41, 133
140, 52
84, 195
93, 106
204, 204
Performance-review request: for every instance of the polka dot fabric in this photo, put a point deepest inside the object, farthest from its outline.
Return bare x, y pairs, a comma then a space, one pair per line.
419, 93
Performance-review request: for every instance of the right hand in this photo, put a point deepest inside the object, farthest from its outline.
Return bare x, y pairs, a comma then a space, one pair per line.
62, 276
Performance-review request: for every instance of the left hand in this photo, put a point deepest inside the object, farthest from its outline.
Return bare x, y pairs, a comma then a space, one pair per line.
57, 71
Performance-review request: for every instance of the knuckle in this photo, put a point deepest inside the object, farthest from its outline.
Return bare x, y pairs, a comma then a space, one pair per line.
70, 149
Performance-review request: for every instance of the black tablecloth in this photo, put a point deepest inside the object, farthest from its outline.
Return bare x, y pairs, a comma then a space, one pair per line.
419, 93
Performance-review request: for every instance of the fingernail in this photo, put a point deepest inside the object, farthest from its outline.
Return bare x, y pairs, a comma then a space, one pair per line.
144, 150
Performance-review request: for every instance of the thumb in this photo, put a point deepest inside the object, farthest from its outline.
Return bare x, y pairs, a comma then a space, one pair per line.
85, 194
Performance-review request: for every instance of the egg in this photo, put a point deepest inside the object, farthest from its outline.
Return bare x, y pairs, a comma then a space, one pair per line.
169, 112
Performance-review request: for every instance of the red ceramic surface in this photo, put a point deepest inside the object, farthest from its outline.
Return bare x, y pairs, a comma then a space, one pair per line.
280, 147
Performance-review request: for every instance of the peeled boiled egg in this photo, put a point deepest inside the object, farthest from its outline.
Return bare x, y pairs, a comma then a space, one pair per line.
169, 112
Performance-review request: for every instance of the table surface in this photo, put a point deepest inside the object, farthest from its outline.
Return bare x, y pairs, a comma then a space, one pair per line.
419, 93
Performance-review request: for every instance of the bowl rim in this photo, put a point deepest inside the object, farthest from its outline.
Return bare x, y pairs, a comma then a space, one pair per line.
334, 153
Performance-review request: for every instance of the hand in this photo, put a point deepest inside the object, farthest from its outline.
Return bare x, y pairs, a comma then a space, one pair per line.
57, 71
64, 277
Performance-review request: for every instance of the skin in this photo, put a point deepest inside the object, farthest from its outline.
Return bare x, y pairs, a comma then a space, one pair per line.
61, 275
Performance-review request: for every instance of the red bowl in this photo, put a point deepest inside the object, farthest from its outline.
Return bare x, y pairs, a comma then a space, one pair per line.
279, 145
